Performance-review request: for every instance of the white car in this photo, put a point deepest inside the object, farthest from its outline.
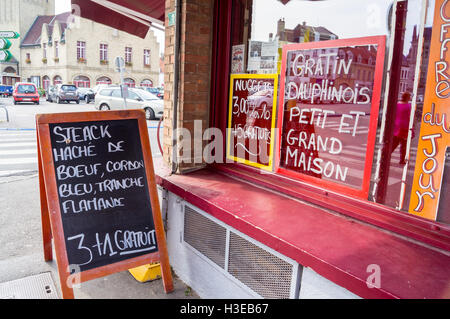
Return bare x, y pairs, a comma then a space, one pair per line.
110, 98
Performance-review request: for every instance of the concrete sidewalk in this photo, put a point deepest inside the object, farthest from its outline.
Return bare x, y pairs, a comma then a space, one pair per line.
21, 253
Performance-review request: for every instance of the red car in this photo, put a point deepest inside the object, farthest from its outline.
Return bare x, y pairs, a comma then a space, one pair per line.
25, 92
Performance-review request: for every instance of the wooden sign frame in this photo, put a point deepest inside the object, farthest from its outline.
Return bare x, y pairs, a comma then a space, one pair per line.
274, 78
52, 226
380, 41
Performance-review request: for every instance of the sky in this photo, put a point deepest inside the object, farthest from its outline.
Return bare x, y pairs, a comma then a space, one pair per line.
62, 6
346, 18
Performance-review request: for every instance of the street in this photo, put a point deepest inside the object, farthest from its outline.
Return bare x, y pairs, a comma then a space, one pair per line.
21, 252
18, 136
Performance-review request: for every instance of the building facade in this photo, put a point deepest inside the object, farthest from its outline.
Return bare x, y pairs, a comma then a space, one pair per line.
277, 233
64, 49
18, 16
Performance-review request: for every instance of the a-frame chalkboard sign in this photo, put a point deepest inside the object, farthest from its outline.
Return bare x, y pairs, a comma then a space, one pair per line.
99, 200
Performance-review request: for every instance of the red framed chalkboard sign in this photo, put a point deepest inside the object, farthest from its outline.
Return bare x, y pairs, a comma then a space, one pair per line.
99, 200
328, 112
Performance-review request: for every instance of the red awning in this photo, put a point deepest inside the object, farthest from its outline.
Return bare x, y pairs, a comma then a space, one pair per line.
132, 16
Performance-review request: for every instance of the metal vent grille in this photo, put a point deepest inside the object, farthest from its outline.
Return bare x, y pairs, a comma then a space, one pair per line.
205, 236
258, 269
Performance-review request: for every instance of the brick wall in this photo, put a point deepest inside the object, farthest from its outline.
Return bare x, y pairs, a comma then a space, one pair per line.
194, 78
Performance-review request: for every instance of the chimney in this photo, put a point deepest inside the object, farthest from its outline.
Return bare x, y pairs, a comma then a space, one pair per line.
281, 28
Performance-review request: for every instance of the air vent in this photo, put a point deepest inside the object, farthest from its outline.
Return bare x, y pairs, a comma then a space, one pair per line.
255, 266
205, 236
258, 269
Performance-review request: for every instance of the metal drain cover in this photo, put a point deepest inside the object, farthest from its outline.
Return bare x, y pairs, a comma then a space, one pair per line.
34, 287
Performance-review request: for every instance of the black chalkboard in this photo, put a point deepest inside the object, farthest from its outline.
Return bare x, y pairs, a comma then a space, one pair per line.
103, 192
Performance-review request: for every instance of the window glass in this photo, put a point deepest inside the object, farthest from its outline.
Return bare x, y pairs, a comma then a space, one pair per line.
147, 95
106, 92
132, 95
26, 89
338, 120
69, 88
116, 93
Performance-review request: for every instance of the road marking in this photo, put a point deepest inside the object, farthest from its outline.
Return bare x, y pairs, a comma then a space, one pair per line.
28, 151
16, 161
10, 145
9, 140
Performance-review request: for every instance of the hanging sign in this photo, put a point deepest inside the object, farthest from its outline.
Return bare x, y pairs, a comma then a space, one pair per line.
328, 112
5, 44
5, 55
251, 123
9, 35
435, 127
98, 195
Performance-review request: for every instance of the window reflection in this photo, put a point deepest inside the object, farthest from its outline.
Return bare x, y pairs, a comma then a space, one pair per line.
322, 87
327, 108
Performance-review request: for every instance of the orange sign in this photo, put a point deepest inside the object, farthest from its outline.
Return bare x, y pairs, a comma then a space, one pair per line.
435, 127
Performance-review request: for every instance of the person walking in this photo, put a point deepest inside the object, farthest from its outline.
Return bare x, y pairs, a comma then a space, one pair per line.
402, 126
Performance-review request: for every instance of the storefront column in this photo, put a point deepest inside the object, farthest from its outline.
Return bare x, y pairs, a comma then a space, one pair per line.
193, 103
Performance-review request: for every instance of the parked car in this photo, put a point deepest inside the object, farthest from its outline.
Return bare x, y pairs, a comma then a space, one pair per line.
86, 94
25, 92
6, 90
98, 87
261, 99
63, 93
110, 98
155, 91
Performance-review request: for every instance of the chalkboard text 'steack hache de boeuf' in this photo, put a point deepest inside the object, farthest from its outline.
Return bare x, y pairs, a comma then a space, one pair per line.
99, 200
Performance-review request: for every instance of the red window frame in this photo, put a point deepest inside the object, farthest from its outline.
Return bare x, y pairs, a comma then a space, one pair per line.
145, 83
82, 83
103, 82
130, 82
45, 82
363, 192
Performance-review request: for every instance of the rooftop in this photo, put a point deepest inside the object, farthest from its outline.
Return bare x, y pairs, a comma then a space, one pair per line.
33, 36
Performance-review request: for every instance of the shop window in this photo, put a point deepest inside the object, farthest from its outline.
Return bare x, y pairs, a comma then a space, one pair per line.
82, 81
129, 82
147, 83
103, 80
331, 112
45, 82
57, 80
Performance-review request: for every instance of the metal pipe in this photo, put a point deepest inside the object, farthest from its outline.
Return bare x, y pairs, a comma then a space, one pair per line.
422, 23
175, 86
391, 111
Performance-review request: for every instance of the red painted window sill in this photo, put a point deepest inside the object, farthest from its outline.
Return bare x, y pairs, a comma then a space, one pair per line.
338, 247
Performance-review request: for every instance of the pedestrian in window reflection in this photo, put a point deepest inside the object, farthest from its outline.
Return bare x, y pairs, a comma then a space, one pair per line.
402, 126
